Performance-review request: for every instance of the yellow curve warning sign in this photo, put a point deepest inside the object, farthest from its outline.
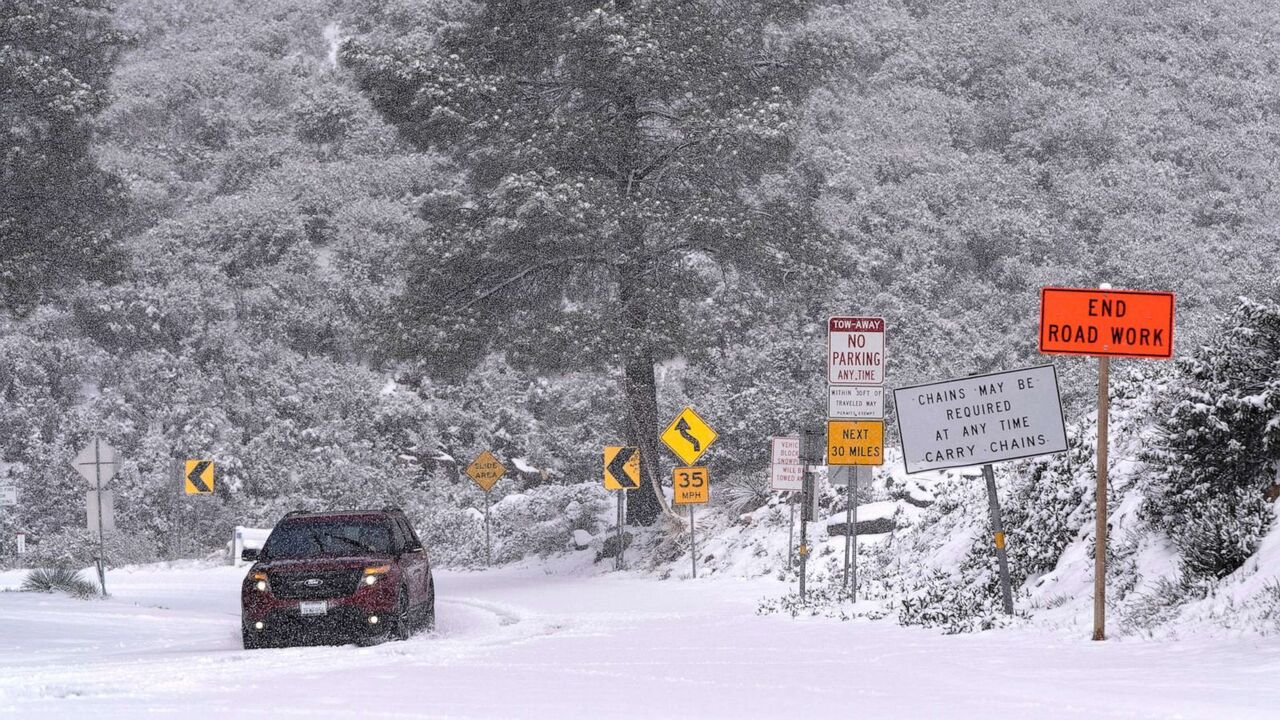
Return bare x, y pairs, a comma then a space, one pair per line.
688, 436
198, 479
621, 468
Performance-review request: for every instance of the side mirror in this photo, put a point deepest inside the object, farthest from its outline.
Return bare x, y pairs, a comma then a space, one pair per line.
249, 554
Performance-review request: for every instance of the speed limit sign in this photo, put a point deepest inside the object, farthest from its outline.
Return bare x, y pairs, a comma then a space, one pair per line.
692, 485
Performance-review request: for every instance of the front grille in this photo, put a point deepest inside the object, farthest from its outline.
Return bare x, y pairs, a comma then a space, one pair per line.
332, 584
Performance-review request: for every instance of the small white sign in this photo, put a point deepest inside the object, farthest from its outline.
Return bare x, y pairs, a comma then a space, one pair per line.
980, 419
22, 543
108, 510
8, 496
786, 472
856, 402
855, 351
96, 462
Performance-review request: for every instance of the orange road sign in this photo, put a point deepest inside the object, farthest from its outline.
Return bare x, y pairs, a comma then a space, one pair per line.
485, 470
692, 485
1106, 323
855, 442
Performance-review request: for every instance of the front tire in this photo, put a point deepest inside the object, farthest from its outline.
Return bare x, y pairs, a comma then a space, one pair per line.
402, 625
429, 618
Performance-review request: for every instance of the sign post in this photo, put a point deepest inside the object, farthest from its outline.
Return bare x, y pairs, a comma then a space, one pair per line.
97, 463
691, 486
786, 474
485, 471
980, 420
621, 473
689, 436
997, 531
855, 413
1105, 323
811, 454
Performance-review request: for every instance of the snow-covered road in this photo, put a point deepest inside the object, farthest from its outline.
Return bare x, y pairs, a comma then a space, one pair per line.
518, 642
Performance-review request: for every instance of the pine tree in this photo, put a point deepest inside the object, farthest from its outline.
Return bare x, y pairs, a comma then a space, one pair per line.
55, 203
626, 162
1219, 449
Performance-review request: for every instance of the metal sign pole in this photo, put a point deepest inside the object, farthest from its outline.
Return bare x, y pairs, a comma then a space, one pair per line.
804, 535
97, 470
693, 542
488, 549
848, 521
997, 529
1100, 530
618, 563
853, 532
791, 534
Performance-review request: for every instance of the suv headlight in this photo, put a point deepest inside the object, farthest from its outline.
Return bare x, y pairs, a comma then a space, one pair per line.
372, 574
260, 582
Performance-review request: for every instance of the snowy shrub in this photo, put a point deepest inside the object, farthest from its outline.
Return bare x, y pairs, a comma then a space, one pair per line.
1267, 606
1158, 606
1048, 504
539, 521
59, 579
821, 600
453, 537
77, 547
968, 600
745, 493
1219, 445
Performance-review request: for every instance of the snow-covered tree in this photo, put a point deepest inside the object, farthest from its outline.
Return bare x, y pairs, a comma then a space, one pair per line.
628, 171
1219, 449
56, 204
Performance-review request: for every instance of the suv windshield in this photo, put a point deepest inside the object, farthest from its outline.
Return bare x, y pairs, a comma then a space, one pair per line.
329, 539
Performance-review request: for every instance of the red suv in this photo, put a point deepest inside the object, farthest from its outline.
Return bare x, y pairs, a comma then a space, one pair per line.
358, 575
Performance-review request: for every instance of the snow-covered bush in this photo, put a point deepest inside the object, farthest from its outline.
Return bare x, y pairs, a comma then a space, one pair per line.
937, 600
453, 537
542, 520
1048, 503
1218, 449
77, 547
59, 579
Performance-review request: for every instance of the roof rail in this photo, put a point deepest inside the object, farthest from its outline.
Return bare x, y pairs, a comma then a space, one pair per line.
291, 513
392, 509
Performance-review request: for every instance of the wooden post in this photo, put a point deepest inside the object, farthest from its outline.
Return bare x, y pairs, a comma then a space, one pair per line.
1100, 530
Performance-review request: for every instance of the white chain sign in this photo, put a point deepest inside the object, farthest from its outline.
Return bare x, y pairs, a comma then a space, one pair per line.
980, 419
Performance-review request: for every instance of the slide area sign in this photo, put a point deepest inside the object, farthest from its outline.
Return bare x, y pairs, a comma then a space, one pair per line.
1106, 323
980, 419
855, 351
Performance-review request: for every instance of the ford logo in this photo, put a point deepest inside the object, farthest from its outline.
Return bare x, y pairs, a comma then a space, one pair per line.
313, 582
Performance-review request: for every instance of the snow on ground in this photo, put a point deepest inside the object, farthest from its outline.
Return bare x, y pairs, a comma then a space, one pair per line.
560, 642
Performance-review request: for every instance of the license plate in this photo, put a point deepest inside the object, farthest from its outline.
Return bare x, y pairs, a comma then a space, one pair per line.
318, 607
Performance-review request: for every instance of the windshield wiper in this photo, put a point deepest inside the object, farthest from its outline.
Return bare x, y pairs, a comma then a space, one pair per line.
357, 543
